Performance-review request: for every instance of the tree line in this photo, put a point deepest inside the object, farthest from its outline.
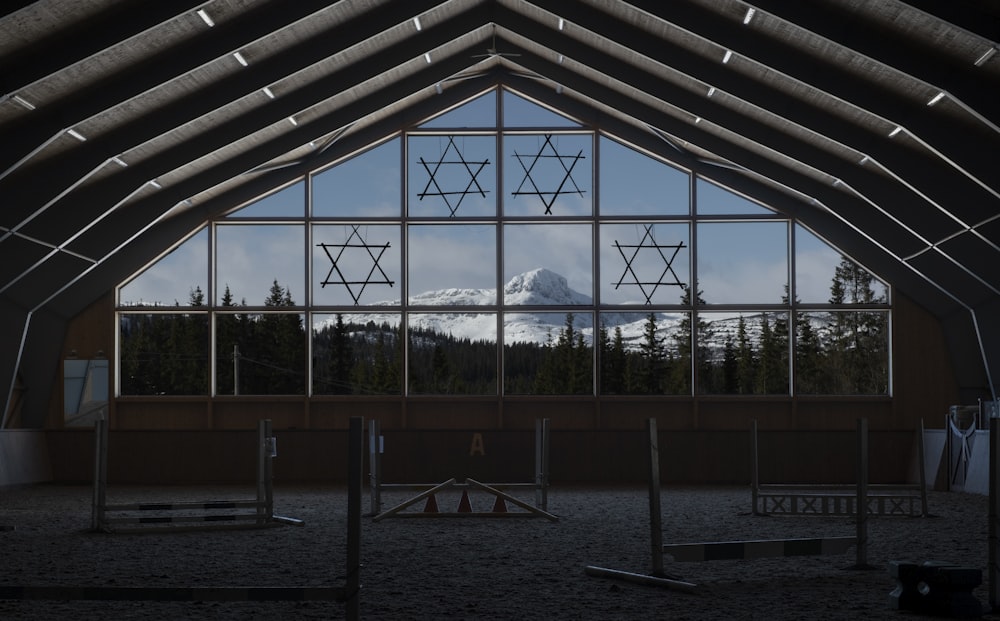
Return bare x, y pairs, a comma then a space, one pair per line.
835, 352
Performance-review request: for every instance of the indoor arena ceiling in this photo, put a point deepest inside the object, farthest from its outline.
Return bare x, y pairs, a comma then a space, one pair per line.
124, 124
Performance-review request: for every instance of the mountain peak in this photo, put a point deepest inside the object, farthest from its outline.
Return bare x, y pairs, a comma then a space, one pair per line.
541, 286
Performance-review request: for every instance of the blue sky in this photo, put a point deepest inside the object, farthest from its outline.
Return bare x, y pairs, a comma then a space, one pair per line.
742, 262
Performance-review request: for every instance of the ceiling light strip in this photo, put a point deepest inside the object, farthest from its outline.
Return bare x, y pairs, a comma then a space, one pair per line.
205, 17
72, 132
240, 59
24, 102
749, 15
988, 54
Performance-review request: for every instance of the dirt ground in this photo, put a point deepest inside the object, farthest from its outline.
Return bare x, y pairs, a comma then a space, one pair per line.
474, 567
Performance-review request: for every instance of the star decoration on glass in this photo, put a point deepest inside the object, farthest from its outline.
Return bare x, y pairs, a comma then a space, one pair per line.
540, 164
648, 288
355, 243
448, 195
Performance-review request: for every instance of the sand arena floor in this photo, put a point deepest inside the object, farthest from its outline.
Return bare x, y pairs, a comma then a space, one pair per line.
473, 568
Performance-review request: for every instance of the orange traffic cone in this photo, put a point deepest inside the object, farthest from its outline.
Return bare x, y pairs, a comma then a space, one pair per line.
431, 506
499, 506
464, 505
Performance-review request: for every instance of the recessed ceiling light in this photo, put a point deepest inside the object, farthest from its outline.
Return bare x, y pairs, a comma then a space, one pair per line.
267, 91
561, 59
239, 58
711, 91
749, 15
24, 102
988, 54
427, 57
837, 182
697, 120
76, 134
896, 131
292, 120
936, 98
437, 87
864, 160
562, 23
119, 161
727, 57
205, 18
155, 184
416, 24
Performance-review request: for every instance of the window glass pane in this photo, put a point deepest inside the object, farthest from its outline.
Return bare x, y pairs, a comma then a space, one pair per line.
357, 354
480, 112
368, 185
287, 203
645, 353
265, 351
548, 174
355, 264
548, 264
519, 112
823, 275
636, 184
178, 278
842, 353
548, 353
745, 354
163, 354
743, 262
714, 200
644, 263
453, 353
251, 258
452, 176
452, 265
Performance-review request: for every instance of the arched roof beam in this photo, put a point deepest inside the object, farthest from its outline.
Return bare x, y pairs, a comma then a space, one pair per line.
919, 171
71, 218
954, 142
117, 227
961, 81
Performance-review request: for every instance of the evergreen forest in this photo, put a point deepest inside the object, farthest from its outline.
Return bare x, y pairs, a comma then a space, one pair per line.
264, 353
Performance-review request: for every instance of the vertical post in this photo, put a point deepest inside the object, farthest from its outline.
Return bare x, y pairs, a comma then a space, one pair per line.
861, 506
265, 471
542, 464
922, 475
655, 525
355, 475
375, 466
993, 570
754, 468
236, 369
100, 472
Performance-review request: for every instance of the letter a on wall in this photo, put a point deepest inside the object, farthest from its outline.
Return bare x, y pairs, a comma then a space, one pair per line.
477, 447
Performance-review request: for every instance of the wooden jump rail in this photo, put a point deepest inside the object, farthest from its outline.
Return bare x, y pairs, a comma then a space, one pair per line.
349, 594
909, 500
208, 513
730, 550
428, 490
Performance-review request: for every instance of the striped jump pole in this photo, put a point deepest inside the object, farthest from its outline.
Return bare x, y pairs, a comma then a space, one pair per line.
745, 550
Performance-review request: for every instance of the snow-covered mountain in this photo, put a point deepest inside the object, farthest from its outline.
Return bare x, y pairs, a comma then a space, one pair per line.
543, 287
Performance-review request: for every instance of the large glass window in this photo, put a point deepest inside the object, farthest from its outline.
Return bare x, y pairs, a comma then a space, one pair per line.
526, 256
